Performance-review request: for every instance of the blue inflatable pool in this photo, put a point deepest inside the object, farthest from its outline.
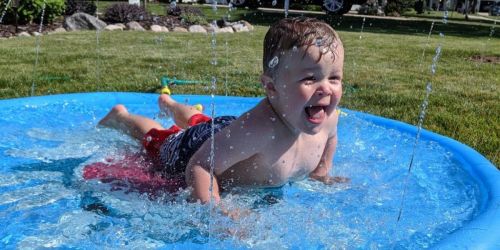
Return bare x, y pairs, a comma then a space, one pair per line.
453, 198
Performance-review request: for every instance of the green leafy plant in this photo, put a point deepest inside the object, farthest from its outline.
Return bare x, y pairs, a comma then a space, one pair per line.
30, 11
194, 19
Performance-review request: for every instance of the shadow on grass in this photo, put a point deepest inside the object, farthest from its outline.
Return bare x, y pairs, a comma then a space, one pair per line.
378, 25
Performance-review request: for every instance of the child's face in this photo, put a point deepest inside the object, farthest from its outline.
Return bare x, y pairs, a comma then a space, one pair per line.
307, 91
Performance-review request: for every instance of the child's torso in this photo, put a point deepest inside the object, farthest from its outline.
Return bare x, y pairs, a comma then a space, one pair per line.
284, 160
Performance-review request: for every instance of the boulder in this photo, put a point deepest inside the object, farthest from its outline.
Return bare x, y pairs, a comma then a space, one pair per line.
212, 28
247, 24
158, 28
135, 26
23, 34
197, 29
83, 21
120, 25
180, 29
225, 30
239, 27
112, 27
58, 30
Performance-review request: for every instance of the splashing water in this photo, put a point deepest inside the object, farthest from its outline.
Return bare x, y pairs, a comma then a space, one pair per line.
4, 11
287, 6
274, 62
214, 5
426, 46
213, 89
173, 4
37, 49
492, 30
40, 209
362, 27
421, 117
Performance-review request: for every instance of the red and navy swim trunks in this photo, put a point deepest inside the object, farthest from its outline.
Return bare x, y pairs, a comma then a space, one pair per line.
172, 148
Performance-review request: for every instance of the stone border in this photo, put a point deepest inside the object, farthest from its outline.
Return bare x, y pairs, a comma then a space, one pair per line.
83, 21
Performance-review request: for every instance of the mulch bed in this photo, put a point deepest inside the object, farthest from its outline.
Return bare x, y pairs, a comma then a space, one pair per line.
7, 30
485, 59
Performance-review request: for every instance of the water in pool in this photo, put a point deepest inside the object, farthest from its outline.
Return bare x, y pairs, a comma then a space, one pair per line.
44, 202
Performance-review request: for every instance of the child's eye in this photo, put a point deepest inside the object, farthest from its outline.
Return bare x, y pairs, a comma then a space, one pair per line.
334, 79
308, 79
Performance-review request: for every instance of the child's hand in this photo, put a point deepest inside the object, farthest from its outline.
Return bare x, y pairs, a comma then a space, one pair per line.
330, 180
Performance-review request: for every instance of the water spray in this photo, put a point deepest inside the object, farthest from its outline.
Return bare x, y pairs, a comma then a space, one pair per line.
421, 117
37, 49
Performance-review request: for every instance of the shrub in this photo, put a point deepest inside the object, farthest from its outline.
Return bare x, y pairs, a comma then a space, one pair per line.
397, 7
30, 11
369, 8
194, 19
87, 6
124, 13
184, 10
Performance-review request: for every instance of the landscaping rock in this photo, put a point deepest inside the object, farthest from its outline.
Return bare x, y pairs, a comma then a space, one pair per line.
83, 21
135, 26
57, 30
23, 34
239, 27
180, 29
211, 28
158, 28
197, 29
121, 25
247, 24
225, 30
112, 27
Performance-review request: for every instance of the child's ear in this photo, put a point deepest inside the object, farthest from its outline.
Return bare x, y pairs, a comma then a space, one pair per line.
267, 83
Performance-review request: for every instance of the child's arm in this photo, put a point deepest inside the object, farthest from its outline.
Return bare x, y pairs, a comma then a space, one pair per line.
232, 145
325, 164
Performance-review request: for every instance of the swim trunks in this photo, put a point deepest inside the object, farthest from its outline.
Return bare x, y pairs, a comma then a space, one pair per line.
172, 148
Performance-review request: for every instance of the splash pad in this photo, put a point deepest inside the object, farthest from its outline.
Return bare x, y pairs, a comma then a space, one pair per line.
452, 201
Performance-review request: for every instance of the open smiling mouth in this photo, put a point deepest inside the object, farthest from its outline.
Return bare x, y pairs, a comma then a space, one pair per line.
315, 114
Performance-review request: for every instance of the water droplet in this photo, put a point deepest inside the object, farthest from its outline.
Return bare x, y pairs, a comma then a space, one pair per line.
231, 147
248, 134
273, 137
275, 2
273, 119
319, 41
273, 63
173, 4
295, 49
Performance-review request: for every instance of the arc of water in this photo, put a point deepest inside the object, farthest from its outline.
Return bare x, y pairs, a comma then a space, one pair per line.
287, 6
213, 88
37, 50
4, 11
362, 28
423, 109
425, 47
98, 50
421, 117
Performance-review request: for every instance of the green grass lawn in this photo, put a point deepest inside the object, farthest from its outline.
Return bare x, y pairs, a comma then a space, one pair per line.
385, 70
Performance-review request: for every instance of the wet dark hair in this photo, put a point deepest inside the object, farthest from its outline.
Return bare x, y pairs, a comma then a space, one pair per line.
290, 33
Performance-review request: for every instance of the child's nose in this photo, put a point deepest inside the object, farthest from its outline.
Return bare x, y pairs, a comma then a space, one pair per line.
323, 90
